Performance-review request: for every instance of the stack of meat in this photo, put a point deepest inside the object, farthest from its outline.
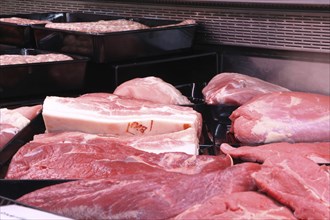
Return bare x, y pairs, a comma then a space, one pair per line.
11, 59
118, 181
23, 21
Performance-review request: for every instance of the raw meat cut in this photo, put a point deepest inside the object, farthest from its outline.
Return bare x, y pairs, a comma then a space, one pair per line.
108, 114
23, 21
151, 89
11, 59
283, 117
101, 159
298, 183
236, 89
185, 141
102, 26
146, 196
13, 121
240, 205
318, 152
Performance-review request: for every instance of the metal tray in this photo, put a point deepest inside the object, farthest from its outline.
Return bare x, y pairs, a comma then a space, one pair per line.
117, 46
22, 35
45, 78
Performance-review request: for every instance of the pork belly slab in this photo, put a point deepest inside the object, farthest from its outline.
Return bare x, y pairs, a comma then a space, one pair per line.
318, 152
283, 117
108, 114
161, 195
236, 89
101, 158
298, 183
152, 89
239, 205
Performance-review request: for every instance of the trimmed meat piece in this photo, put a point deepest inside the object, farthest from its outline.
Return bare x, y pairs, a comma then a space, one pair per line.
236, 89
240, 205
318, 152
151, 89
13, 121
283, 117
102, 159
108, 114
298, 183
160, 195
185, 141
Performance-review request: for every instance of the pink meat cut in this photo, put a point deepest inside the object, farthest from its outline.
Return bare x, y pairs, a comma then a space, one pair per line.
240, 205
283, 117
152, 89
13, 121
185, 141
236, 89
318, 152
108, 114
102, 159
298, 183
157, 196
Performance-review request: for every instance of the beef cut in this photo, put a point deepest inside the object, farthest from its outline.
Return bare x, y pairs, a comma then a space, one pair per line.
185, 141
318, 152
298, 183
160, 195
13, 121
239, 205
283, 117
236, 89
152, 89
103, 159
103, 113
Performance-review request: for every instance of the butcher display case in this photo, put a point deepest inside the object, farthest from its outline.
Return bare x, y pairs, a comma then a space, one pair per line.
281, 42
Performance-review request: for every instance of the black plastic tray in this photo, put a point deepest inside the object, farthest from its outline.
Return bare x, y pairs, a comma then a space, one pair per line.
35, 126
13, 189
45, 78
117, 46
22, 35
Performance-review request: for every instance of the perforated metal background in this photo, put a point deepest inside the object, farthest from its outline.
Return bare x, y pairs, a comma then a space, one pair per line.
304, 30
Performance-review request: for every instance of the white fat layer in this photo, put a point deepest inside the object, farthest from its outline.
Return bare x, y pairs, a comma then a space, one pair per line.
294, 101
273, 130
65, 111
13, 118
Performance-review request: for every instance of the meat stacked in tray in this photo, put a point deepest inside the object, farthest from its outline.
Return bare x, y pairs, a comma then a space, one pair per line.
133, 153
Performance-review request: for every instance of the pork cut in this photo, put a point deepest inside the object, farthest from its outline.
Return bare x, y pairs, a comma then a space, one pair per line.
152, 89
157, 196
11, 59
109, 114
298, 183
236, 89
101, 159
283, 117
185, 141
318, 152
14, 120
248, 205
